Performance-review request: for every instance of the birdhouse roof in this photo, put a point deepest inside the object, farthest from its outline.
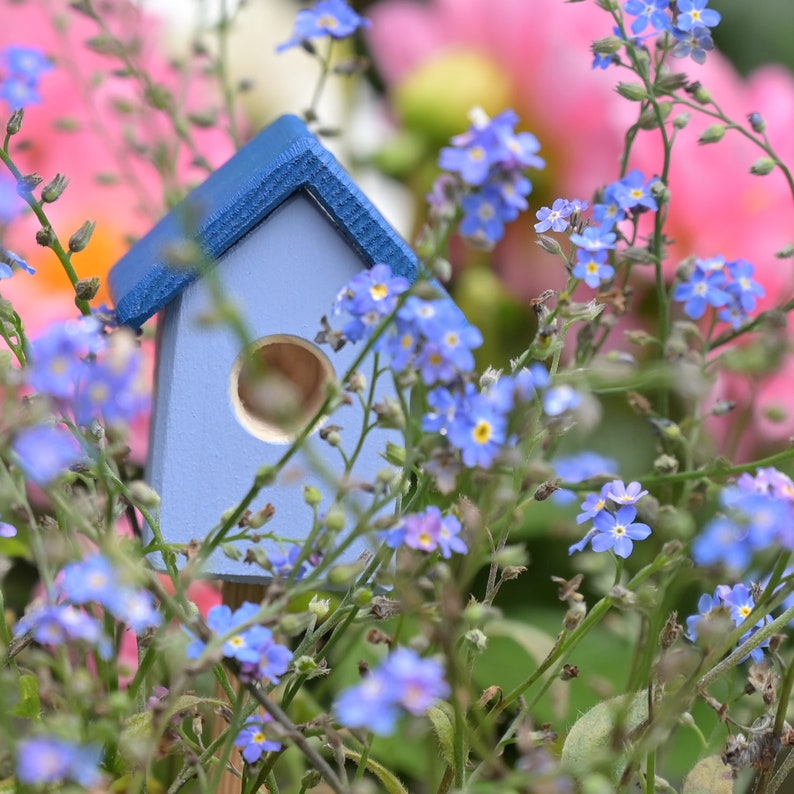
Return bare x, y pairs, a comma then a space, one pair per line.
283, 159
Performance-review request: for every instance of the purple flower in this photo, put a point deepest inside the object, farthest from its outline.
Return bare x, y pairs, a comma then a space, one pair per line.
48, 760
428, 531
693, 14
44, 452
253, 739
329, 18
624, 494
7, 530
592, 267
618, 531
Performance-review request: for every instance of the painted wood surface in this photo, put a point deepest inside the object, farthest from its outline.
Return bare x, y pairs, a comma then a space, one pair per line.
282, 160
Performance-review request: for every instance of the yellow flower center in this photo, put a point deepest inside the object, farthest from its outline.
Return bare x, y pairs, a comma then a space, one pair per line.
378, 291
482, 432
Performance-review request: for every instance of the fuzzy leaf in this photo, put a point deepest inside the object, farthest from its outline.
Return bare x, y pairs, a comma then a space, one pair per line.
391, 785
443, 719
589, 744
709, 776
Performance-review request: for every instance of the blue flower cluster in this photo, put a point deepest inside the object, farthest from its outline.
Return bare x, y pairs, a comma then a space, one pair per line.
254, 741
757, 513
333, 19
578, 467
613, 514
21, 69
261, 658
490, 161
93, 580
736, 602
727, 286
620, 200
690, 25
404, 682
427, 531
50, 760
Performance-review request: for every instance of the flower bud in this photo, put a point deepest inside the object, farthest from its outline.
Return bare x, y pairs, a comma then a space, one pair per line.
54, 188
312, 495
549, 244
762, 166
319, 607
606, 46
786, 252
87, 288
477, 639
700, 94
362, 597
635, 92
80, 239
143, 494
261, 517
14, 124
335, 519
757, 122
712, 134
45, 237
681, 120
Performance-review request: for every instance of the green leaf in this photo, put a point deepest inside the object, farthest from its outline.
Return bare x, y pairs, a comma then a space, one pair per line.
442, 717
29, 706
391, 785
538, 646
709, 776
590, 744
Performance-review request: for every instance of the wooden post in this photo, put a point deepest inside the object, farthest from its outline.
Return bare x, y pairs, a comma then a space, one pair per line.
234, 594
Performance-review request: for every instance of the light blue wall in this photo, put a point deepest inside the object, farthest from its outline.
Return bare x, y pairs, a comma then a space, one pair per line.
284, 275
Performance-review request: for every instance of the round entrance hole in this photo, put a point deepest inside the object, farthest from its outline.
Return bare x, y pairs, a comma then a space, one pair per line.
277, 385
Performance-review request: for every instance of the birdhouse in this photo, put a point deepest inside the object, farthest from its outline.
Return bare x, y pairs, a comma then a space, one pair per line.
283, 228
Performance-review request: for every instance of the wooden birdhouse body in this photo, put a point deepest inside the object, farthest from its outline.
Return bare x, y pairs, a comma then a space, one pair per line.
285, 229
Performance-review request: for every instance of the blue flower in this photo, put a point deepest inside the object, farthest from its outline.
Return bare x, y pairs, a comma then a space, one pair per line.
653, 12
693, 14
9, 260
369, 297
253, 739
24, 67
329, 18
595, 238
7, 530
43, 452
554, 217
592, 267
633, 191
559, 399
609, 211
49, 760
695, 43
617, 532
478, 430
283, 564
744, 288
10, 202
704, 288
404, 682
577, 467
62, 623
484, 216
594, 504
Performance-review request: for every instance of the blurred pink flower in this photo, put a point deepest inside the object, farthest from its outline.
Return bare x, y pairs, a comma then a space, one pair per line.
541, 52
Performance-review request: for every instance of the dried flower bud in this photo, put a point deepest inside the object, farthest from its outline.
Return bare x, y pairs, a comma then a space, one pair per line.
569, 671
54, 188
14, 124
80, 239
87, 288
45, 237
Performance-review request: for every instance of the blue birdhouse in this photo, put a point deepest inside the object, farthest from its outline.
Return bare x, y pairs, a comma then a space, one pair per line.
283, 228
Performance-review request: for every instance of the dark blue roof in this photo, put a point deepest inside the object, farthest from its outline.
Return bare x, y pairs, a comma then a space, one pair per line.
283, 159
